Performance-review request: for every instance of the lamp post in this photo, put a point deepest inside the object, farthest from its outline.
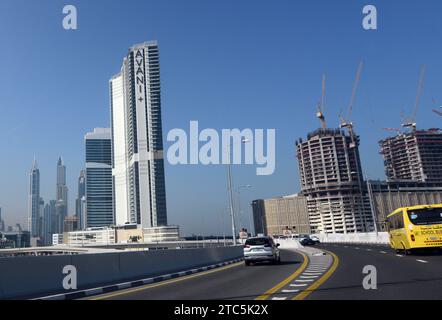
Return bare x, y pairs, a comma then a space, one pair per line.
238, 190
230, 190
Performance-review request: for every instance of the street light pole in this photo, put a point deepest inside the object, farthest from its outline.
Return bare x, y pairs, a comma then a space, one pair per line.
229, 185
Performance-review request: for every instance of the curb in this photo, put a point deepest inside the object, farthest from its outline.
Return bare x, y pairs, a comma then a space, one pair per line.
132, 284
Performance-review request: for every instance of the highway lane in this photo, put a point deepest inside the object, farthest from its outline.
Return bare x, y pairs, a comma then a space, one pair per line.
401, 277
232, 282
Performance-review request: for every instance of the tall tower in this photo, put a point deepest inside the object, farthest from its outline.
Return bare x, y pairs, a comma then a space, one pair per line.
99, 195
61, 206
81, 192
34, 200
137, 142
332, 180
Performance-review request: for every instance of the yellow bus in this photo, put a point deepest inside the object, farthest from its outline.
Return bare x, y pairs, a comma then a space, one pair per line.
416, 227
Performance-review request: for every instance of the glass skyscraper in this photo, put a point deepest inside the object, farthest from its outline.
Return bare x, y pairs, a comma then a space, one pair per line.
34, 200
99, 195
137, 141
61, 207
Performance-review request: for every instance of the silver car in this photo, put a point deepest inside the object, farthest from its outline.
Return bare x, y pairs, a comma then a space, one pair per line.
261, 249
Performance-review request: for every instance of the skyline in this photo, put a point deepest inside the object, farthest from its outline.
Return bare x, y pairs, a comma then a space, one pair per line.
389, 80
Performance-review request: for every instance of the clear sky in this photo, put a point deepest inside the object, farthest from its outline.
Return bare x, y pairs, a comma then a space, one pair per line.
227, 64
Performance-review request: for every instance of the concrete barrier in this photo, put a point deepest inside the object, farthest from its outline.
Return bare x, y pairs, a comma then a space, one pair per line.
363, 238
40, 275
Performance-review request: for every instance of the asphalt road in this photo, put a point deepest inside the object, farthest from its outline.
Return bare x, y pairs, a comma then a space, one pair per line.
400, 277
307, 274
232, 282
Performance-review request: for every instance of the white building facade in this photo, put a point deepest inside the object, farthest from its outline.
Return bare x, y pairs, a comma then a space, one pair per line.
137, 143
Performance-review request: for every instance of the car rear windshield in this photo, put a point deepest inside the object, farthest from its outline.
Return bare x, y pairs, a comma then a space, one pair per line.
257, 241
426, 216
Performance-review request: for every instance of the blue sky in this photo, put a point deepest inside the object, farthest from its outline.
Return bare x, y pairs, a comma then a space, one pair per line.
227, 64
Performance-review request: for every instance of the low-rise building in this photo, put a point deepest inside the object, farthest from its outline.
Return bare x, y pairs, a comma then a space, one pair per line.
161, 234
276, 216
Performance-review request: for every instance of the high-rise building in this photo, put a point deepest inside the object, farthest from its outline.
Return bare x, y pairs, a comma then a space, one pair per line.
79, 206
2, 222
99, 194
137, 143
413, 156
34, 200
49, 222
332, 180
61, 206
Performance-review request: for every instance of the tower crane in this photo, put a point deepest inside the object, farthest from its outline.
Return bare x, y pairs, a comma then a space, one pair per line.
346, 122
411, 122
320, 106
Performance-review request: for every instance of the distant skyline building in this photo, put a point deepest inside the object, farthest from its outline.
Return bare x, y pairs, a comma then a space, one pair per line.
98, 177
137, 142
34, 200
61, 207
79, 202
49, 222
413, 156
332, 180
2, 222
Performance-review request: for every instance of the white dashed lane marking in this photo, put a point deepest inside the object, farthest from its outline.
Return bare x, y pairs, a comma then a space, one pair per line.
305, 280
383, 252
298, 284
289, 291
279, 298
423, 261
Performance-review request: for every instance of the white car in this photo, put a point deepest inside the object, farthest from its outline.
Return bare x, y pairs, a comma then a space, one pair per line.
261, 249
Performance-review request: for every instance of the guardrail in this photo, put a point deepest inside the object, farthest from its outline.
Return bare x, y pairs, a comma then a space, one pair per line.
29, 276
367, 238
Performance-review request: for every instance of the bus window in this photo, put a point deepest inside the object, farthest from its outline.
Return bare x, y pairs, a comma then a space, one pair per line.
425, 216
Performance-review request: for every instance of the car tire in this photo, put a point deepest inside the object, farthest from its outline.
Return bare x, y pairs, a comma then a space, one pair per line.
247, 263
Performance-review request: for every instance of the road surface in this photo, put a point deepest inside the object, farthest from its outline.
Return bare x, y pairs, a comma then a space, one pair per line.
323, 272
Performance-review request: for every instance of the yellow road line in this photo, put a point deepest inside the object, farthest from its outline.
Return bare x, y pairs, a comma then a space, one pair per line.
162, 283
321, 280
287, 280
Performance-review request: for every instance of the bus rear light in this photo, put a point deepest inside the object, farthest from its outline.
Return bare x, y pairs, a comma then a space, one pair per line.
412, 237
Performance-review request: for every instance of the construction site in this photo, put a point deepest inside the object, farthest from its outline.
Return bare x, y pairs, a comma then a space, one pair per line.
336, 196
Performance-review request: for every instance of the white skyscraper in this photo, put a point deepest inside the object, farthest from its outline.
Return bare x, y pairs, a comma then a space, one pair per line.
137, 142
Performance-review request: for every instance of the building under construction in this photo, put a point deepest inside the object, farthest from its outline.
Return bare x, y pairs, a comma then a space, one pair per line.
332, 181
413, 156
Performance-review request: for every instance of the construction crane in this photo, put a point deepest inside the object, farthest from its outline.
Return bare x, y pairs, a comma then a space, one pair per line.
320, 106
345, 122
437, 112
411, 122
392, 129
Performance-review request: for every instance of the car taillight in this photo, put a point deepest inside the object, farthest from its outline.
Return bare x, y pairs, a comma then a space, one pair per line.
412, 238
246, 246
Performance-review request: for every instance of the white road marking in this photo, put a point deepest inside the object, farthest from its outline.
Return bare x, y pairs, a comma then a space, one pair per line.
298, 285
289, 291
279, 298
383, 252
305, 280
309, 277
368, 249
357, 248
345, 246
423, 261
312, 273
399, 255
